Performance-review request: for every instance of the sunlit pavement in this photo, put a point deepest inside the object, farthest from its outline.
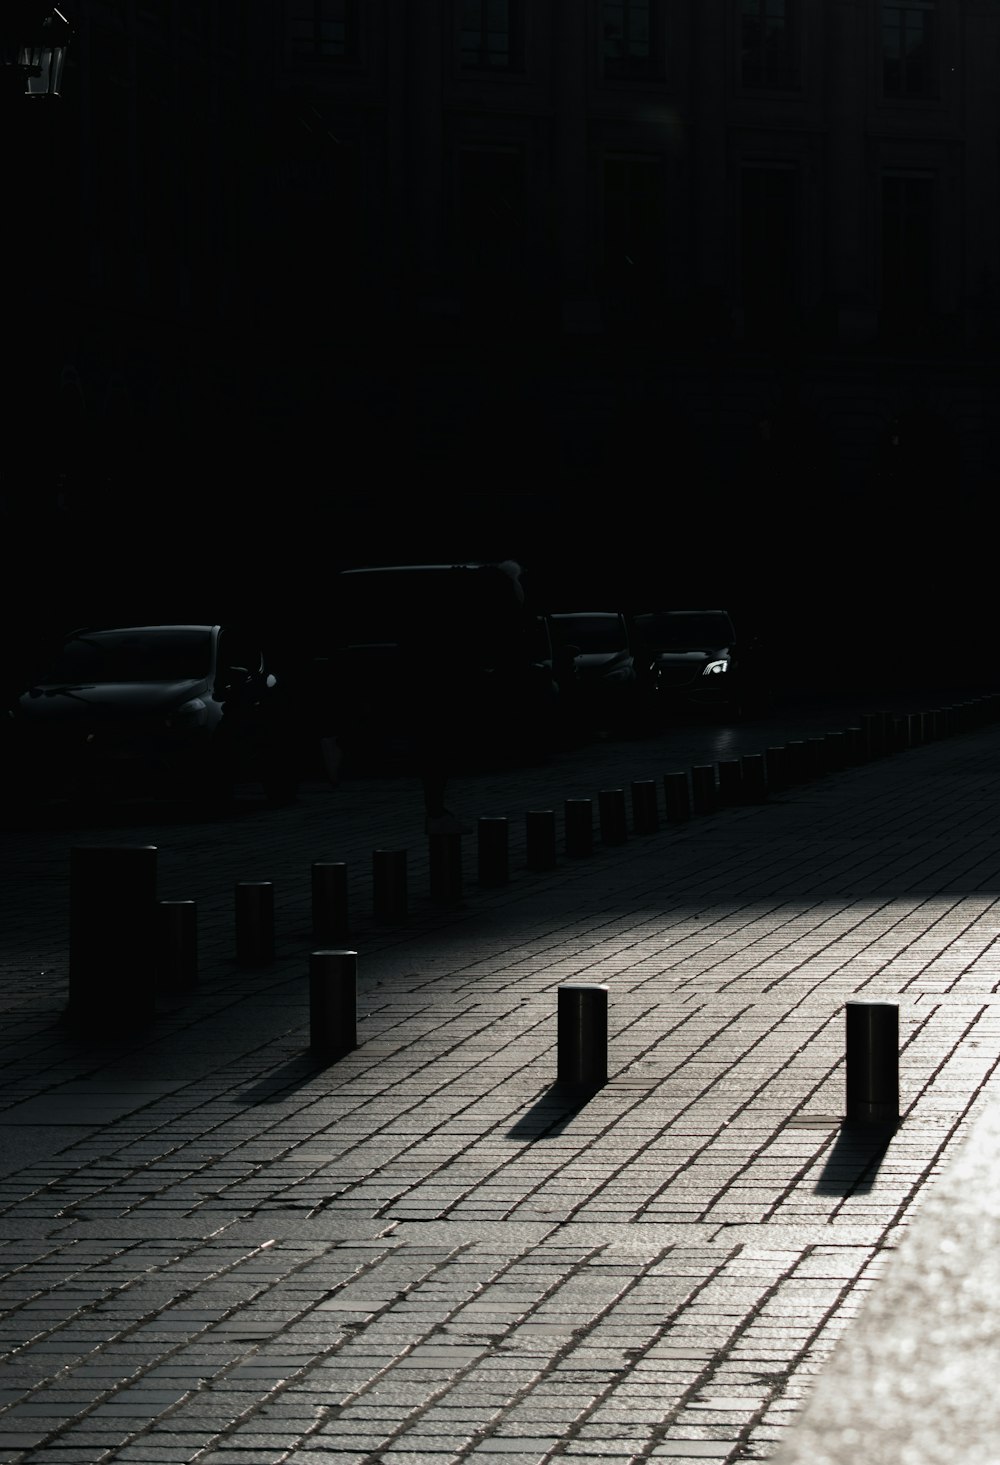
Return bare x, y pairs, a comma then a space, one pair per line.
219, 1246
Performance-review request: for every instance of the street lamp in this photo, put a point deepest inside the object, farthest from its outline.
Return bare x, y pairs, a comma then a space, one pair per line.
34, 38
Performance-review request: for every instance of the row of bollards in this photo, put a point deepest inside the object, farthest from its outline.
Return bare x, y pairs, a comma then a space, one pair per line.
871, 1051
114, 907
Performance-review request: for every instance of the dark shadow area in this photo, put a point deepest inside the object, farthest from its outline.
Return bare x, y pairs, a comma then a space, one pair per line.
853, 1162
550, 1114
285, 1080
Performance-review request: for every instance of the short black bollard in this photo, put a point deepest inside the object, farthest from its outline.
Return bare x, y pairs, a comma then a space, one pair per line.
776, 766
176, 945
817, 754
445, 854
677, 795
492, 850
836, 751
540, 839
754, 778
611, 815
704, 796
254, 922
112, 930
389, 886
798, 765
329, 901
886, 726
854, 744
915, 728
645, 814
730, 781
579, 817
871, 730
872, 1046
582, 1036
333, 1002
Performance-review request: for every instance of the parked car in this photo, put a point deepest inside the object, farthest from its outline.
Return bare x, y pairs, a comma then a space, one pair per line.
462, 628
693, 658
176, 710
596, 667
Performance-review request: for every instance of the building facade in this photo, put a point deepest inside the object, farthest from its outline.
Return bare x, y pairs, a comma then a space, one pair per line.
598, 229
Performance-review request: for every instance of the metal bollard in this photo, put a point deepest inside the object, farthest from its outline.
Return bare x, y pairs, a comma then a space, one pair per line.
677, 795
611, 815
886, 726
854, 744
915, 728
579, 818
333, 1002
389, 888
816, 757
798, 767
872, 1046
582, 1037
177, 945
836, 751
871, 734
754, 778
704, 796
445, 853
776, 766
492, 850
540, 838
645, 814
254, 922
112, 928
329, 901
730, 781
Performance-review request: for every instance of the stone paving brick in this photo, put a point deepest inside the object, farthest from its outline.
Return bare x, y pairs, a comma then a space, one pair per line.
655, 1271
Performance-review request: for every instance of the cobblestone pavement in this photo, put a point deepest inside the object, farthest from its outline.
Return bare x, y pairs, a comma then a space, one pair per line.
218, 1246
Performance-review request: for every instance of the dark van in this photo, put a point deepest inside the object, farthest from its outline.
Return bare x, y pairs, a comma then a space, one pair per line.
461, 632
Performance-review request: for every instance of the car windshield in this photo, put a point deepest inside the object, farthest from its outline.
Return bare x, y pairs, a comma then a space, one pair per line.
676, 630
592, 633
144, 654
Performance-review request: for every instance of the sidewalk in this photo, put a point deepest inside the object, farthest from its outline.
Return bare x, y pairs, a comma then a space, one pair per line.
217, 1248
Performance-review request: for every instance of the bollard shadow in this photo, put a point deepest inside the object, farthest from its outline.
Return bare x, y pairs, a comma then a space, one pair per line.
550, 1114
853, 1163
285, 1080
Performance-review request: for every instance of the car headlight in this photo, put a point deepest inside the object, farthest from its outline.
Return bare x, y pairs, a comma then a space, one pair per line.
715, 668
188, 716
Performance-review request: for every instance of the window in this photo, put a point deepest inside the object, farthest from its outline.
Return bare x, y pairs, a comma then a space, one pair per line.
489, 39
769, 56
908, 250
324, 30
909, 67
634, 242
112, 121
628, 40
633, 219
491, 191
152, 17
769, 247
